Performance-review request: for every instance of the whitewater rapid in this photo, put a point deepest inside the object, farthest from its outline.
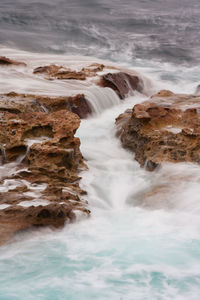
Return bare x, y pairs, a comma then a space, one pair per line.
128, 248
142, 240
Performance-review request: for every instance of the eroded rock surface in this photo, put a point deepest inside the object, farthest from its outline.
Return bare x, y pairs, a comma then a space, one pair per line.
16, 218
40, 156
59, 72
165, 128
40, 161
23, 103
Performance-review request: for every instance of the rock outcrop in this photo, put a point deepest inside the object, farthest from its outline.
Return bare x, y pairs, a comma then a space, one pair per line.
16, 218
22, 103
165, 128
40, 156
122, 83
40, 161
59, 72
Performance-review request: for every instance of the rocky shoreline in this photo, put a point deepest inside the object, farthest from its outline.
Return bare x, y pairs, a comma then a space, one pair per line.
40, 158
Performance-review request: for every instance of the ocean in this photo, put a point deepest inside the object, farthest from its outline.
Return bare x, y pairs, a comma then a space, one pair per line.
128, 249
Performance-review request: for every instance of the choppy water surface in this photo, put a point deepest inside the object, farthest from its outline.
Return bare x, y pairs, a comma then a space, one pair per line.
120, 30
142, 240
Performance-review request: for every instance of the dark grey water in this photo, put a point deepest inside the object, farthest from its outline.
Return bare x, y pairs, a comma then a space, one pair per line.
119, 30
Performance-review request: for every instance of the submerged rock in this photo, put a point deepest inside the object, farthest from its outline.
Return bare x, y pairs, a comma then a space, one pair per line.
49, 70
5, 61
123, 82
165, 128
59, 72
92, 69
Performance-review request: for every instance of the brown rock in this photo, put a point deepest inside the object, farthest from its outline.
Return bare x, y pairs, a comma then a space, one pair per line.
4, 61
80, 106
92, 69
50, 70
122, 83
70, 75
59, 72
49, 159
21, 103
165, 128
16, 218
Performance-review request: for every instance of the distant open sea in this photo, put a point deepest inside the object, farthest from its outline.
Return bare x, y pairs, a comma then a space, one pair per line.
166, 30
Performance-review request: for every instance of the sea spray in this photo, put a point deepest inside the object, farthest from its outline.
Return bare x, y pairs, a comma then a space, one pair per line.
131, 247
125, 250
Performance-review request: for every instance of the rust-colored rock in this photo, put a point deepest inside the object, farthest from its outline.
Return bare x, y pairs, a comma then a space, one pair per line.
59, 72
5, 61
79, 105
165, 128
122, 83
40, 158
70, 75
16, 218
22, 103
54, 71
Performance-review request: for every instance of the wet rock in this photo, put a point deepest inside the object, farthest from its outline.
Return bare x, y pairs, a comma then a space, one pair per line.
49, 70
92, 69
43, 160
70, 75
165, 128
16, 218
5, 61
80, 106
151, 166
22, 103
197, 92
122, 83
59, 72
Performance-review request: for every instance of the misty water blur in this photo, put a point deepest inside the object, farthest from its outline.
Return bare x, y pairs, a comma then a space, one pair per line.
142, 240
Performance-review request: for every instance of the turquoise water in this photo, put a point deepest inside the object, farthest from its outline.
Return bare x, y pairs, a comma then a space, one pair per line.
109, 257
130, 247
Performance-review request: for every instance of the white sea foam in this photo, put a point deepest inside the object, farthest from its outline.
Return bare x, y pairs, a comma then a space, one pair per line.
36, 202
141, 242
